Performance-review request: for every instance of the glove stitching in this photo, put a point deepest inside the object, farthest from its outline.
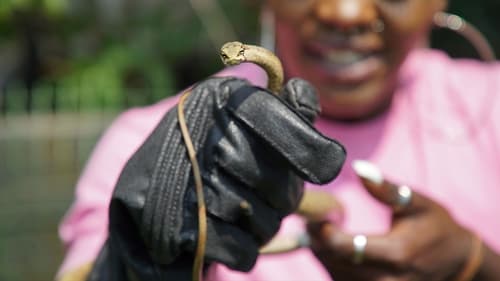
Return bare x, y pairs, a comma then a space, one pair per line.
153, 197
196, 113
160, 194
171, 223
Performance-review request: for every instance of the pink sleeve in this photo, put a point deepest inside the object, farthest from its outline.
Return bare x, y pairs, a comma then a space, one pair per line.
84, 228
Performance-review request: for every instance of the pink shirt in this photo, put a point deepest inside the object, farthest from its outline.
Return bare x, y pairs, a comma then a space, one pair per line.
441, 136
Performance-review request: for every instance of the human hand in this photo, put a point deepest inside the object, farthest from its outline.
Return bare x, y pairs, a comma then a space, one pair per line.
254, 149
423, 243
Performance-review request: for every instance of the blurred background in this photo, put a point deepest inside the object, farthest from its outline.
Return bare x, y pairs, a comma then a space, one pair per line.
68, 67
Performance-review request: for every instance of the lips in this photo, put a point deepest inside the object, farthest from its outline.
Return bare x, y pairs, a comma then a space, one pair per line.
343, 65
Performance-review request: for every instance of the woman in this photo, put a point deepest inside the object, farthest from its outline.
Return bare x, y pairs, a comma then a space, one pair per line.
427, 121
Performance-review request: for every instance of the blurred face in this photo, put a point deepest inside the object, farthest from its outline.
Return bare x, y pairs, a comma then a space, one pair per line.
350, 50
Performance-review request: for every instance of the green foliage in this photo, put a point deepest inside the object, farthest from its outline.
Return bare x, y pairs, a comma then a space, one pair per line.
96, 54
49, 7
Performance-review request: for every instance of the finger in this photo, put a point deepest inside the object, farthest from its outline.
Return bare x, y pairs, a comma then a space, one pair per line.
346, 271
236, 204
313, 156
238, 250
319, 205
349, 272
400, 197
328, 240
301, 96
238, 154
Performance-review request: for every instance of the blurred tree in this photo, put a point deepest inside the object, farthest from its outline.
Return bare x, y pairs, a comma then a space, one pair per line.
108, 53
115, 53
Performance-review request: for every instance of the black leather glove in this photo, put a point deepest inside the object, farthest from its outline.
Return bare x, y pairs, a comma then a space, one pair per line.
252, 146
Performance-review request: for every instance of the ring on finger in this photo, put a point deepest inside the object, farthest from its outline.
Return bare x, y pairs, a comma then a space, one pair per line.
404, 196
359, 242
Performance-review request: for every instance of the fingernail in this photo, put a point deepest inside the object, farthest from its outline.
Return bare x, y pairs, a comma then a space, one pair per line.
368, 170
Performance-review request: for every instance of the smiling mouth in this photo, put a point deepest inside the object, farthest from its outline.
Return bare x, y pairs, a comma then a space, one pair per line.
343, 65
344, 58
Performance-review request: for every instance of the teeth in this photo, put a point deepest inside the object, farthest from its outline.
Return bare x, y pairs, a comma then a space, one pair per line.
344, 57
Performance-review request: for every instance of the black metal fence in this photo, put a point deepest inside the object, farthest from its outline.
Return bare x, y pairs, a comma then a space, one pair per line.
52, 98
40, 158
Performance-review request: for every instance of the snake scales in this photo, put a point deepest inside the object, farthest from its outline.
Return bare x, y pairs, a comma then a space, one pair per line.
314, 204
233, 53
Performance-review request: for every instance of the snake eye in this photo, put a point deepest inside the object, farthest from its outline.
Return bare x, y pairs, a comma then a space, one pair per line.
224, 56
241, 53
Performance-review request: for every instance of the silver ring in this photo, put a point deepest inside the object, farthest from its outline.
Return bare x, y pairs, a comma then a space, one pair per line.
404, 196
359, 242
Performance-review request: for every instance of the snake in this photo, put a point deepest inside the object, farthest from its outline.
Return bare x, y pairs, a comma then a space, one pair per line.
233, 53
314, 205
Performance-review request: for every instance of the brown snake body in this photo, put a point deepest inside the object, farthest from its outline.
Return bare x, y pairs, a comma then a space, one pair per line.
314, 205
233, 53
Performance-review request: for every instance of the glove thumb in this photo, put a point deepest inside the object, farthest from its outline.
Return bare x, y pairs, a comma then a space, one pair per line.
301, 95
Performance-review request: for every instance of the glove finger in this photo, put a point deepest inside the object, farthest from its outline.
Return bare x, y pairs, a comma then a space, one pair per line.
313, 156
230, 245
251, 162
301, 95
229, 201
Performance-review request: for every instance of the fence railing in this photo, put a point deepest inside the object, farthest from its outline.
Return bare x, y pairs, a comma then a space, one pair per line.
54, 98
46, 135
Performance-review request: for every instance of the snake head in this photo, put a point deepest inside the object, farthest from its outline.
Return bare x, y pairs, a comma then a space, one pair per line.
232, 53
